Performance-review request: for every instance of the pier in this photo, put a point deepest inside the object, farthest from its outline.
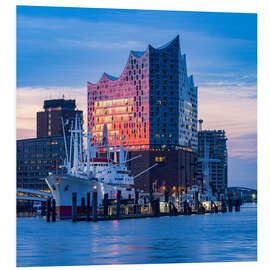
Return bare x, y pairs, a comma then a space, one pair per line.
130, 209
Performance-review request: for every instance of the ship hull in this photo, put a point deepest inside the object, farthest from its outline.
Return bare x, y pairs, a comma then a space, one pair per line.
62, 188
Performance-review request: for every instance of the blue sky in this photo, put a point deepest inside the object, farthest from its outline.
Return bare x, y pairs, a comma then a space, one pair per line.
60, 49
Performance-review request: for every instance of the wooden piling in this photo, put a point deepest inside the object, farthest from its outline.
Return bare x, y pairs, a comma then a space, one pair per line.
136, 207
166, 195
237, 205
43, 209
224, 207
105, 204
48, 210
136, 197
53, 210
83, 205
230, 205
157, 207
118, 214
88, 206
185, 208
94, 206
74, 206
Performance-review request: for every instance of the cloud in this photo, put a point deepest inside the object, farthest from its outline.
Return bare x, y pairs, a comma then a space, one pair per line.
231, 106
93, 44
244, 147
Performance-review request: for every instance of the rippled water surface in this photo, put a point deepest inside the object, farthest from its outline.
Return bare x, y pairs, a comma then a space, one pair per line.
196, 238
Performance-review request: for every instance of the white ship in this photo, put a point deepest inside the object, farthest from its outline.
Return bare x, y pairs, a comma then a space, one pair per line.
90, 173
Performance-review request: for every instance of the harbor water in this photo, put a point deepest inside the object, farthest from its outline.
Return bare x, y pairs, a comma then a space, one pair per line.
219, 237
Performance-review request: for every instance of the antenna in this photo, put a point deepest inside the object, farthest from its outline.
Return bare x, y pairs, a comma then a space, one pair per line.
200, 124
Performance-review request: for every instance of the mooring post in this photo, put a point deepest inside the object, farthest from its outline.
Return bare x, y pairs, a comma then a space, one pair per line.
136, 208
48, 210
105, 204
170, 208
197, 200
230, 205
118, 204
156, 207
94, 206
185, 208
53, 210
237, 205
43, 209
74, 206
83, 205
136, 197
189, 209
223, 207
88, 206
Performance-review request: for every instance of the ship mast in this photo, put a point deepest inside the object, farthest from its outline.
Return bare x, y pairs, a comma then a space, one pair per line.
65, 142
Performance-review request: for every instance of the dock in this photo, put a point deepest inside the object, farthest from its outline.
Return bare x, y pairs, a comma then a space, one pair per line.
122, 209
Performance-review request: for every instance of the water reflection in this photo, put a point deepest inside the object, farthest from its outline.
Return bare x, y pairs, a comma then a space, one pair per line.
198, 238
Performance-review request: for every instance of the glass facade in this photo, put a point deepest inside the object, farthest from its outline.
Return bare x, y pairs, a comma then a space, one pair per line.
152, 104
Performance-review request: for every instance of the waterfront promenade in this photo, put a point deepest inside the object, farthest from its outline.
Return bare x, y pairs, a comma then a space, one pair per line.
198, 238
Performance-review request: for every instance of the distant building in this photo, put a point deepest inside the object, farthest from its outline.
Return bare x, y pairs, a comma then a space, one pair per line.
216, 143
246, 194
37, 156
49, 122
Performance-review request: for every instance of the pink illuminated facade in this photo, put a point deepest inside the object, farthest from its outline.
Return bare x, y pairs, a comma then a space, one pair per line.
153, 104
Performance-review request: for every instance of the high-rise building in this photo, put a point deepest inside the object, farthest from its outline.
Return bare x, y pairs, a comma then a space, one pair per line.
153, 104
37, 156
214, 144
152, 108
49, 122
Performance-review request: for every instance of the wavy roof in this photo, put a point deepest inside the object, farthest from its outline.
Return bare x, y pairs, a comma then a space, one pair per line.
139, 54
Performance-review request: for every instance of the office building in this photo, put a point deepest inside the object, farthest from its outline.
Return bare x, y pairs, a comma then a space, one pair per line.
37, 156
49, 121
214, 143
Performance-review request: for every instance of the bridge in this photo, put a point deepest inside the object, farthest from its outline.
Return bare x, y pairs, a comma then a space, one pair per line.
32, 195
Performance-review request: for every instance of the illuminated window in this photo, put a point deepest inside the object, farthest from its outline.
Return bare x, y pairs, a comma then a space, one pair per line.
159, 159
49, 133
